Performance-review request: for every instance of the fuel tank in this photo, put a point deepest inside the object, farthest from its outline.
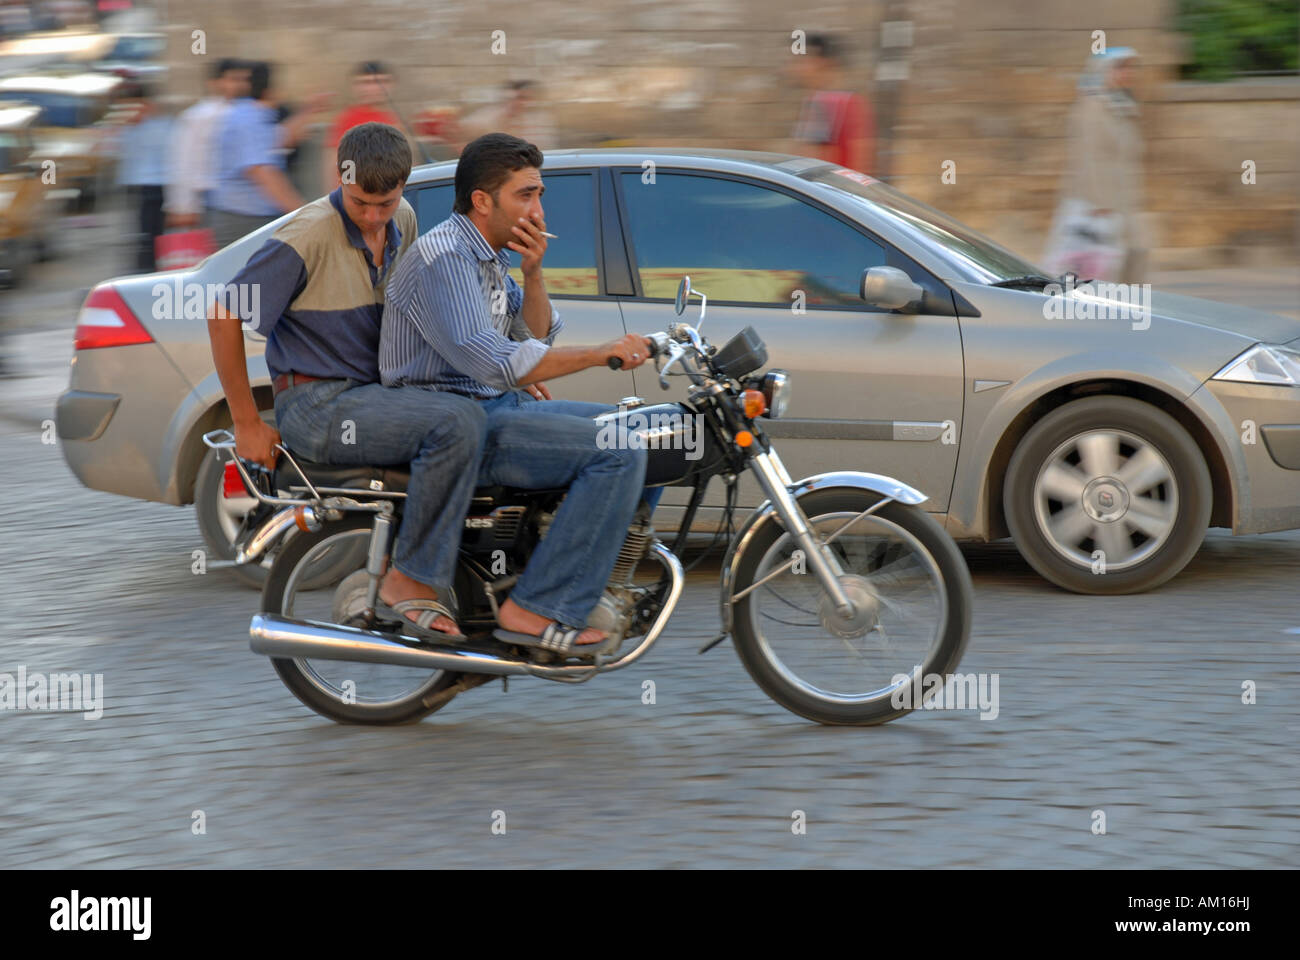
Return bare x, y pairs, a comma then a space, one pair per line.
679, 443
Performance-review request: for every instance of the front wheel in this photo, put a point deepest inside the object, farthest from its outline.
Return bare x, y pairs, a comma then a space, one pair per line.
348, 692
911, 593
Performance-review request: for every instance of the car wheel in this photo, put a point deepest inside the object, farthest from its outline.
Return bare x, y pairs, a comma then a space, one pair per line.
220, 517
1107, 495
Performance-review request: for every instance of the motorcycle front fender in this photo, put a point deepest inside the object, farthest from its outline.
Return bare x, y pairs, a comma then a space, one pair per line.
766, 513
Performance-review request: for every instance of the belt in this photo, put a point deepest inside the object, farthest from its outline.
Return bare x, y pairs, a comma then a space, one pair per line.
286, 380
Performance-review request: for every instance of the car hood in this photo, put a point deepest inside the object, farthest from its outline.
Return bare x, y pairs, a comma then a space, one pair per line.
1251, 323
1246, 323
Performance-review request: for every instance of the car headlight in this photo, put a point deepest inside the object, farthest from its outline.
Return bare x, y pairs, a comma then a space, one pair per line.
776, 391
1264, 363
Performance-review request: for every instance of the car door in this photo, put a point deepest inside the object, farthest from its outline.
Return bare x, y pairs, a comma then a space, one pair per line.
571, 269
873, 389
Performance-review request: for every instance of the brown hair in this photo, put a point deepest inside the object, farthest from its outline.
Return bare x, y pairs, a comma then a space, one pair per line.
380, 156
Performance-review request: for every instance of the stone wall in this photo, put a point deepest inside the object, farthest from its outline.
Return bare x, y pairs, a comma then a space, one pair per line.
986, 84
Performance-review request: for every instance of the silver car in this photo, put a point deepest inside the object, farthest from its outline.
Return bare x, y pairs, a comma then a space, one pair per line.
1103, 427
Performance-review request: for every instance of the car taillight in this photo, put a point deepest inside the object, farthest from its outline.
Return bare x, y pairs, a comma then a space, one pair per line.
106, 321
232, 484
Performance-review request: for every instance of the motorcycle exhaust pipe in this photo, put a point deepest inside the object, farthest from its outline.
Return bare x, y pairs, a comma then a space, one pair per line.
288, 637
276, 636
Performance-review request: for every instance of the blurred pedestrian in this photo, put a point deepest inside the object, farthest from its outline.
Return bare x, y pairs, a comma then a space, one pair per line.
192, 177
252, 185
1097, 231
519, 113
372, 88
145, 143
437, 133
834, 123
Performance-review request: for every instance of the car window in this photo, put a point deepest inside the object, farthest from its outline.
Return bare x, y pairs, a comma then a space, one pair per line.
570, 208
58, 109
742, 242
570, 263
432, 205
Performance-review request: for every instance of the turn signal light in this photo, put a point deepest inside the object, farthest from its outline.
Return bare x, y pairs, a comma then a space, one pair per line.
744, 438
755, 404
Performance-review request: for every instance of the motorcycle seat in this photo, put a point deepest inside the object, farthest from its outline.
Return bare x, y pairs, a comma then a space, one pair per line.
393, 479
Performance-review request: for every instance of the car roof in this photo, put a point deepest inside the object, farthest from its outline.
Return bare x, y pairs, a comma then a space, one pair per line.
772, 166
82, 84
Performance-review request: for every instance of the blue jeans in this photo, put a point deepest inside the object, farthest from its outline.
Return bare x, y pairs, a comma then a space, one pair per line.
441, 436
535, 444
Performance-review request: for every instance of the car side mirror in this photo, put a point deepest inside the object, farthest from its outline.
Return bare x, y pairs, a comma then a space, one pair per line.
889, 287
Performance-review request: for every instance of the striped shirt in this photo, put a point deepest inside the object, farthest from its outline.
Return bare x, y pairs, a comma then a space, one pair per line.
453, 317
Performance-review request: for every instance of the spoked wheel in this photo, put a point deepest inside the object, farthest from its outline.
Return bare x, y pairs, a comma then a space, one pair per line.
367, 693
911, 594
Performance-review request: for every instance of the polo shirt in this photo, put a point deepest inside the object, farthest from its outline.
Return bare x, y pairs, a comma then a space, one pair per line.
248, 137
319, 296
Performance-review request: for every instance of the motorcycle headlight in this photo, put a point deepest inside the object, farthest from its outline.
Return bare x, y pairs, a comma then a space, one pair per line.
776, 391
1264, 363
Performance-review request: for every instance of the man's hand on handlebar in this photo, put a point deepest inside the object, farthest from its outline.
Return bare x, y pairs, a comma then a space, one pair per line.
256, 441
628, 352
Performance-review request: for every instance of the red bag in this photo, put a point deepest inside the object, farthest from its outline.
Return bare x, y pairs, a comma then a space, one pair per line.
184, 248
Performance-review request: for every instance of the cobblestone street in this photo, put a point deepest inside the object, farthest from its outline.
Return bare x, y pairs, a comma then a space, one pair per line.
1127, 705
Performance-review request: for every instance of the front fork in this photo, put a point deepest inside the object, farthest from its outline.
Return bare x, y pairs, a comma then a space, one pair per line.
776, 483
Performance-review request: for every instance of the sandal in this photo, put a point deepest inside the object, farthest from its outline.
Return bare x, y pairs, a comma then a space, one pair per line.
429, 611
557, 638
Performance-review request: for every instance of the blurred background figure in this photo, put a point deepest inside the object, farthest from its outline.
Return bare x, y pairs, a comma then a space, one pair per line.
145, 144
1097, 231
372, 88
437, 132
192, 176
834, 123
293, 133
252, 186
519, 113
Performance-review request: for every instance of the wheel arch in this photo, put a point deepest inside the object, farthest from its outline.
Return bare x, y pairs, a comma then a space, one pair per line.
1224, 495
183, 466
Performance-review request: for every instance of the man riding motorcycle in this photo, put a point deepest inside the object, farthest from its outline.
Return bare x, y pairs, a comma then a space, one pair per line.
456, 321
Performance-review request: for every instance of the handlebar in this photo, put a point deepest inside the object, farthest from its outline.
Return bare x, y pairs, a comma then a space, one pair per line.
616, 363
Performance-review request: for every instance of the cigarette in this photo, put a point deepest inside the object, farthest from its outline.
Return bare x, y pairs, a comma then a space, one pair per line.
551, 235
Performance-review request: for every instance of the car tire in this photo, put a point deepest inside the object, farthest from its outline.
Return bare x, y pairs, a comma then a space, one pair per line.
219, 519
1107, 495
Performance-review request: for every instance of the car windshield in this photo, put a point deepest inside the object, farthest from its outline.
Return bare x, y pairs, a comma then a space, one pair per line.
973, 255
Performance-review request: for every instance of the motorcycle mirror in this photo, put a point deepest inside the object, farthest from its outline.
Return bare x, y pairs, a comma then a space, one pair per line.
683, 291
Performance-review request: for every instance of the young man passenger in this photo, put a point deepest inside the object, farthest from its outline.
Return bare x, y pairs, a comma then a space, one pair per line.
321, 278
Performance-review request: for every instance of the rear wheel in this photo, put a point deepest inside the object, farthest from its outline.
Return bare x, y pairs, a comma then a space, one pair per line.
345, 691
912, 594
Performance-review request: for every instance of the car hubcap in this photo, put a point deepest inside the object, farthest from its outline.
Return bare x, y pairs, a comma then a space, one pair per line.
1108, 496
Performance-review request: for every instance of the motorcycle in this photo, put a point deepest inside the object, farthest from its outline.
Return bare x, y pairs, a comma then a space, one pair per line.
837, 591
